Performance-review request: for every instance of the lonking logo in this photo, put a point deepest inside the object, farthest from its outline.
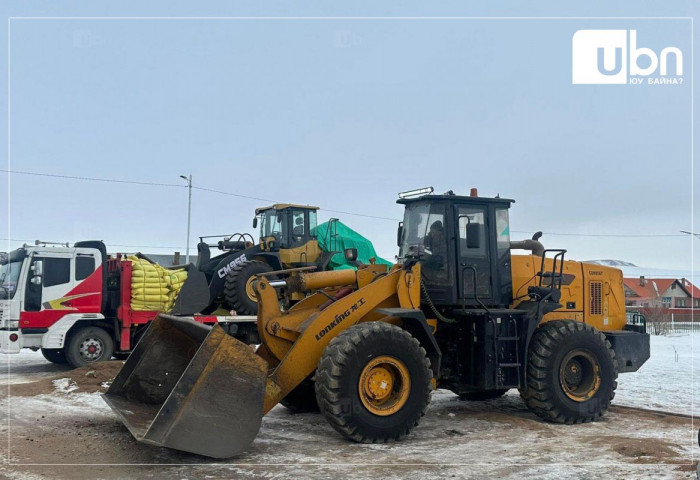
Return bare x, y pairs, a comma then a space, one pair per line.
339, 318
614, 57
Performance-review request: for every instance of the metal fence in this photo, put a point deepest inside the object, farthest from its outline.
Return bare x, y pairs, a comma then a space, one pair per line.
678, 327
663, 321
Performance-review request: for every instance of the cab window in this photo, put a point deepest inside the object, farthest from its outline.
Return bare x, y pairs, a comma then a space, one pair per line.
56, 271
313, 222
471, 224
84, 266
298, 223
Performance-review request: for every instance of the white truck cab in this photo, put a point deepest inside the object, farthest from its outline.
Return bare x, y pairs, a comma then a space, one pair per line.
44, 291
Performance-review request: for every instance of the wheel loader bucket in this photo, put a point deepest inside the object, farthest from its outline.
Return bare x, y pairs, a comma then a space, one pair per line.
191, 387
194, 295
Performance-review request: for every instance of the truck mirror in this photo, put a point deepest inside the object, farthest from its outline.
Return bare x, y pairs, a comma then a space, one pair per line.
473, 235
255, 222
399, 234
38, 268
36, 280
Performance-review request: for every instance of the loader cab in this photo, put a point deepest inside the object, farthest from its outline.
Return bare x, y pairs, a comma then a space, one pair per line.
463, 245
291, 230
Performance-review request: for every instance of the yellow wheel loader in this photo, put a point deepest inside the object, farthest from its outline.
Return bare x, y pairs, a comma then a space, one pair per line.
287, 240
367, 348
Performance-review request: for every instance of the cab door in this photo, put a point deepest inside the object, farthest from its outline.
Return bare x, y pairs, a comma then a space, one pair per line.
55, 281
303, 247
473, 254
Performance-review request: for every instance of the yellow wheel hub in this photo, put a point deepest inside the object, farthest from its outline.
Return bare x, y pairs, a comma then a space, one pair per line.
249, 290
579, 375
384, 385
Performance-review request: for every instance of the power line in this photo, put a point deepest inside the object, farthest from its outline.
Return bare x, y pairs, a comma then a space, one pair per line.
93, 179
250, 197
24, 240
620, 235
158, 184
233, 194
275, 201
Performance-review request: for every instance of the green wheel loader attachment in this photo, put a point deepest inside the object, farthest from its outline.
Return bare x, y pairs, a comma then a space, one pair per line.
191, 387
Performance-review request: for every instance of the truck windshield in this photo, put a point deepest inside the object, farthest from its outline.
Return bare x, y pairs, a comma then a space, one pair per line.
271, 223
10, 268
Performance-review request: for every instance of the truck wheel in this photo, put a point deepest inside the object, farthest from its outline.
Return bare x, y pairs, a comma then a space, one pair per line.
373, 382
571, 373
485, 395
88, 345
302, 399
54, 355
238, 289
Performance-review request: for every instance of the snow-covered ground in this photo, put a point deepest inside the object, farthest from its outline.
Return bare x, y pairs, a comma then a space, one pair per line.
495, 439
27, 366
665, 381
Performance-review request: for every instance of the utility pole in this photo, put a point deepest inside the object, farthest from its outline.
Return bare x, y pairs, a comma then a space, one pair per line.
189, 212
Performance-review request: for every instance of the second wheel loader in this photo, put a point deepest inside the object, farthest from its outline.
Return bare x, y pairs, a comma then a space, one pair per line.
287, 240
459, 312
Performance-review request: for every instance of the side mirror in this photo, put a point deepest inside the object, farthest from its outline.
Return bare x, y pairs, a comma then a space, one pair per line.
399, 234
36, 280
38, 268
350, 254
255, 222
473, 235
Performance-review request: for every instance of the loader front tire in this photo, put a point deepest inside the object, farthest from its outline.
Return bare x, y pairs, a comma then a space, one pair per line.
571, 373
373, 383
237, 289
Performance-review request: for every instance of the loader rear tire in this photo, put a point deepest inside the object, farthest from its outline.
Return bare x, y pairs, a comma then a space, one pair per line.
373, 383
485, 395
302, 399
237, 290
571, 373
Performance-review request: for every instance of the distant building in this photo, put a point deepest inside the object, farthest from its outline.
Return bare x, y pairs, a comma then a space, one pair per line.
676, 295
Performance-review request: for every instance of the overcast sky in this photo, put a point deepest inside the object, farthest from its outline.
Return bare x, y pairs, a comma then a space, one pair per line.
342, 114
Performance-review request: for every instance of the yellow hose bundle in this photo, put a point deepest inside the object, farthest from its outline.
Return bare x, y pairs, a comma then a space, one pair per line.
154, 287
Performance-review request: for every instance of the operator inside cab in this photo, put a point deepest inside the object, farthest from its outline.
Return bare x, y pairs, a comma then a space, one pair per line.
299, 226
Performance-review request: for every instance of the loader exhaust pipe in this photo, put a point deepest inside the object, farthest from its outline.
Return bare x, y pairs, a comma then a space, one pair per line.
532, 245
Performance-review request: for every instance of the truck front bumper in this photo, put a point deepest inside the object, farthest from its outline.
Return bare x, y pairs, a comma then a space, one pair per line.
631, 349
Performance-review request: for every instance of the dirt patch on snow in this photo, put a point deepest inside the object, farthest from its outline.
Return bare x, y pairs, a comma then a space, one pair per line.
89, 379
646, 414
641, 449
